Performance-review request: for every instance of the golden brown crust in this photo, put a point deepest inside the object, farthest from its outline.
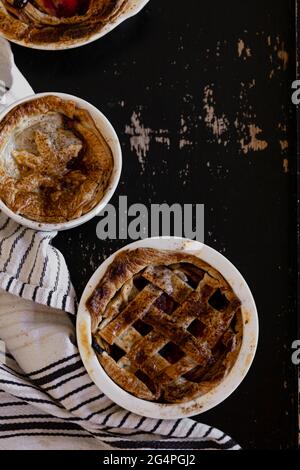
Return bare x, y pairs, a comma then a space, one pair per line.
33, 26
42, 105
126, 265
67, 170
175, 320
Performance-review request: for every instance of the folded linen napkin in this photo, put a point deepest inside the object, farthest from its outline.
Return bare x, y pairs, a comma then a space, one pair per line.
13, 85
47, 400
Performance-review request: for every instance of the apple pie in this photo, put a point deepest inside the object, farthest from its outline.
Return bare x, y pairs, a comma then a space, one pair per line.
63, 22
166, 326
55, 165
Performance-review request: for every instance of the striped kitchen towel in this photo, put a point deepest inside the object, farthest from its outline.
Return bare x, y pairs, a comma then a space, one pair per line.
47, 399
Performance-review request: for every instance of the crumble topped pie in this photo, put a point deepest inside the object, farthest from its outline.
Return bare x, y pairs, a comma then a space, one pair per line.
43, 22
166, 326
54, 163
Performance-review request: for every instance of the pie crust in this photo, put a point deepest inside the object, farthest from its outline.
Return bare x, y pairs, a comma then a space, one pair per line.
29, 22
166, 326
55, 164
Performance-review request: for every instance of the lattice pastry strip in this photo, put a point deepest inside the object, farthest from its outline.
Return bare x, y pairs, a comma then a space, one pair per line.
162, 279
168, 281
174, 335
142, 349
183, 316
127, 293
134, 311
141, 352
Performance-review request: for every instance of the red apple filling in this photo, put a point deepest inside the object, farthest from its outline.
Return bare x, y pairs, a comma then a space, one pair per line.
64, 8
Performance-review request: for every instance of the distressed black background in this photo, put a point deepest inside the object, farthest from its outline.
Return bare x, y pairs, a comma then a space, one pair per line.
158, 63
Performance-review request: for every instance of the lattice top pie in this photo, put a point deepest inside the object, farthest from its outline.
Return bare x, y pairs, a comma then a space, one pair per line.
64, 22
166, 326
54, 163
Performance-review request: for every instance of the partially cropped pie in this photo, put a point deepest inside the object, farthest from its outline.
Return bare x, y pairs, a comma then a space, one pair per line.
166, 326
64, 22
55, 165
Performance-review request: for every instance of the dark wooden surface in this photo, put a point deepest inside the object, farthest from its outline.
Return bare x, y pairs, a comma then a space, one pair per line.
200, 79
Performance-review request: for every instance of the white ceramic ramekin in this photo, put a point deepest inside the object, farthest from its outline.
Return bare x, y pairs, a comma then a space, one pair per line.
216, 395
111, 138
133, 8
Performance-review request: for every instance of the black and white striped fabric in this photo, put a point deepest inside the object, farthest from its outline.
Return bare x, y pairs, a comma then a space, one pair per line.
47, 400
